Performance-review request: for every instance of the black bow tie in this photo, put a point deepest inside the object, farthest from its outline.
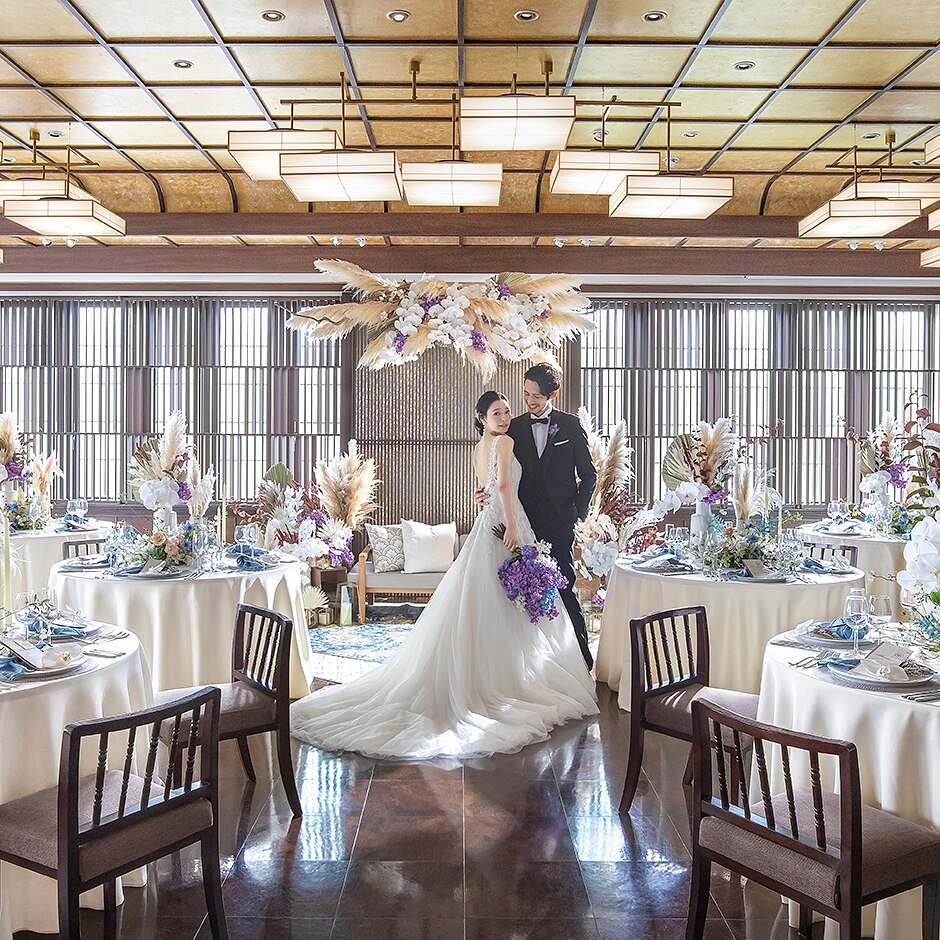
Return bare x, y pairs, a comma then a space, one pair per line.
540, 420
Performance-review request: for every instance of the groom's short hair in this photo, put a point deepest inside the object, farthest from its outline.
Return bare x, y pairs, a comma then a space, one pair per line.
547, 377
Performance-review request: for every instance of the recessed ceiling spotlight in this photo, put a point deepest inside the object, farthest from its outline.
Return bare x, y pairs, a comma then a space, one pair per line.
398, 16
272, 16
8, 159
672, 161
878, 246
55, 133
917, 162
871, 135
654, 16
585, 242
599, 135
182, 64
45, 242
526, 16
690, 133
336, 240
853, 246
744, 65
559, 242
361, 242
70, 242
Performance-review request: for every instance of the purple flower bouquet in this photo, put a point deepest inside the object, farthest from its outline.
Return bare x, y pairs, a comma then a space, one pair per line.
532, 580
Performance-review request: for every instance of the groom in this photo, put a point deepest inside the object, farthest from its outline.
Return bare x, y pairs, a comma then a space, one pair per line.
558, 479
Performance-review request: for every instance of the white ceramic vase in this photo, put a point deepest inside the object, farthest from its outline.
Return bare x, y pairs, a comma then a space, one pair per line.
699, 522
42, 507
9, 491
164, 518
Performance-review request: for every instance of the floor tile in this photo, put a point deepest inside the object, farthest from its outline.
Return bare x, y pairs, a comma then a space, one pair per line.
532, 928
403, 890
418, 797
626, 838
388, 928
283, 887
517, 888
527, 838
651, 890
410, 839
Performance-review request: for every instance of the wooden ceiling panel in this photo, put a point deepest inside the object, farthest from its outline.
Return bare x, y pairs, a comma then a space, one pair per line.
421, 240
633, 241
143, 241
736, 104
623, 19
551, 202
38, 19
800, 195
791, 242
303, 19
68, 64
654, 65
869, 67
147, 133
281, 63
105, 157
183, 240
497, 64
887, 20
716, 66
215, 133
188, 158
422, 133
155, 63
851, 135
264, 196
903, 106
619, 133
718, 242
110, 101
207, 101
510, 159
327, 240
173, 19
195, 192
123, 192
507, 242
746, 198
77, 134
26, 103
753, 160
299, 240
927, 73
430, 19
493, 19
390, 63
781, 136
779, 19
707, 135
813, 105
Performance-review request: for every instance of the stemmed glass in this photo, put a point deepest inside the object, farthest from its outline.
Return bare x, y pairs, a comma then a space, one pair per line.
201, 545
246, 535
880, 609
77, 508
843, 509
856, 617
833, 510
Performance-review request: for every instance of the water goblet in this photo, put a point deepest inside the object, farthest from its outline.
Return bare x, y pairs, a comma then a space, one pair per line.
242, 538
71, 507
880, 609
81, 508
833, 510
856, 616
843, 509
201, 547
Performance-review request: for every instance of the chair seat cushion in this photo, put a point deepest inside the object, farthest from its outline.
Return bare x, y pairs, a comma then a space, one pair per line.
399, 581
243, 708
894, 850
673, 710
28, 827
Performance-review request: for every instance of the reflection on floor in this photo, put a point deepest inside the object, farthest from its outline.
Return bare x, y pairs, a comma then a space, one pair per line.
520, 847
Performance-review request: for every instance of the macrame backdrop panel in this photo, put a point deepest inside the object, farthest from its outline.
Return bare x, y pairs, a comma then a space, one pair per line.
416, 420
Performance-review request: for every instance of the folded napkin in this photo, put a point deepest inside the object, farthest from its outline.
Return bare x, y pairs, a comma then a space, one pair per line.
75, 633
838, 629
10, 668
81, 562
848, 527
883, 663
666, 558
837, 662
839, 564
234, 550
738, 574
71, 522
124, 572
247, 563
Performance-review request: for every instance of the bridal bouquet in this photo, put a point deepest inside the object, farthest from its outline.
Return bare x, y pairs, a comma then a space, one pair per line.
13, 451
532, 580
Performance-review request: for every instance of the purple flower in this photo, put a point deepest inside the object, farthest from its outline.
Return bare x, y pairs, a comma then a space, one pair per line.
503, 291
186, 494
532, 583
341, 557
715, 496
552, 430
318, 518
398, 341
16, 473
477, 341
897, 472
598, 600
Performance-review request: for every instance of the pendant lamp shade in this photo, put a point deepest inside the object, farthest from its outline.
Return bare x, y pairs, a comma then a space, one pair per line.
64, 217
342, 176
258, 153
516, 122
452, 183
858, 218
670, 197
600, 172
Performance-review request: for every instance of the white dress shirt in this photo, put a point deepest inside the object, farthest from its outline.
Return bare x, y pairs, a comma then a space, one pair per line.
540, 431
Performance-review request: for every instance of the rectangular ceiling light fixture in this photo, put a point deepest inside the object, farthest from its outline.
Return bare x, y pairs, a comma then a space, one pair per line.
927, 191
39, 188
516, 122
600, 172
858, 218
670, 197
452, 183
64, 216
258, 153
930, 258
342, 176
932, 150
933, 220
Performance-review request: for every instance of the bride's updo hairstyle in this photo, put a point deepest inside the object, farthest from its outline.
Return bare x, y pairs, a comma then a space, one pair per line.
484, 405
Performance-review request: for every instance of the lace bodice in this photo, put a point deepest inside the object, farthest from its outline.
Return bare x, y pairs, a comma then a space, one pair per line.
493, 513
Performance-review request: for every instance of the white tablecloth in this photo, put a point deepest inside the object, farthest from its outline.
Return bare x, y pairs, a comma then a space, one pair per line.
186, 626
741, 619
37, 552
32, 718
880, 555
898, 753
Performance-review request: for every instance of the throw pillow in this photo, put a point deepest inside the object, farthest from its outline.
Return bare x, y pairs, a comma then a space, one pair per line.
388, 552
428, 548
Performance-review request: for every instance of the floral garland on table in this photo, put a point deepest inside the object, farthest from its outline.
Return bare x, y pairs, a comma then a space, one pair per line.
509, 316
174, 548
13, 451
22, 518
706, 456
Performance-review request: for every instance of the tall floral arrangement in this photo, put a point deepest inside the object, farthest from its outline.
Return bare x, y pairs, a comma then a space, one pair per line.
921, 576
751, 492
200, 485
159, 468
706, 456
346, 486
511, 316
13, 451
45, 470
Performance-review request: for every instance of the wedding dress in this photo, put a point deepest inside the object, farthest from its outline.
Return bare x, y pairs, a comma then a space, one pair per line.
472, 678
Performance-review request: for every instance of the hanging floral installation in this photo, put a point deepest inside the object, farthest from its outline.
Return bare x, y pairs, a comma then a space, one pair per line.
509, 316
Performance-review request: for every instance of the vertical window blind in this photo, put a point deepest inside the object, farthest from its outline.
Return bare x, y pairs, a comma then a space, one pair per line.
796, 374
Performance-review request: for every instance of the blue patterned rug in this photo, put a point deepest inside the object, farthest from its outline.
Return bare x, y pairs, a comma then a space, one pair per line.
369, 643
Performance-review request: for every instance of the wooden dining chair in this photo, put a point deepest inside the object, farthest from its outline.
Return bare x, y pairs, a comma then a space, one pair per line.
82, 547
669, 657
827, 851
90, 830
827, 551
257, 700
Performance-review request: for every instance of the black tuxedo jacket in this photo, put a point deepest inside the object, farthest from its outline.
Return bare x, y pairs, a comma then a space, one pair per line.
556, 489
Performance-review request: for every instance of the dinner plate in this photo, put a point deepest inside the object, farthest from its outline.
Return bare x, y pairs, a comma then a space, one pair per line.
76, 660
159, 576
912, 682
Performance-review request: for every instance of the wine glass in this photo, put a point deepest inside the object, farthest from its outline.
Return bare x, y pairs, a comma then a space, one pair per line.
668, 536
81, 508
880, 609
200, 547
856, 616
24, 611
843, 509
833, 509
71, 508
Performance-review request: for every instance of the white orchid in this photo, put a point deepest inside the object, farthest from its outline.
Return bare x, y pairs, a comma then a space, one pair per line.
159, 494
875, 482
690, 492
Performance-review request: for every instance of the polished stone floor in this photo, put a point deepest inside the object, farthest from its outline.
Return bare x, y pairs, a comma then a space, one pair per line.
519, 847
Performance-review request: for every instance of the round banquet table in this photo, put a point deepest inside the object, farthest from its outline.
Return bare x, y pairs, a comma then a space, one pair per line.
38, 552
33, 716
742, 617
879, 555
186, 625
898, 746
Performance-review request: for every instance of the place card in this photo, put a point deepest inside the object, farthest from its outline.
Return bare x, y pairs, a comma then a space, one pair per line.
756, 568
29, 653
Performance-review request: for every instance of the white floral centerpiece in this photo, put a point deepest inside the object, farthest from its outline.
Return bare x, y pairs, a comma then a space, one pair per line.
159, 470
13, 456
921, 577
45, 470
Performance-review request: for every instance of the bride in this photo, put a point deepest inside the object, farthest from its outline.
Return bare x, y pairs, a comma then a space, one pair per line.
474, 677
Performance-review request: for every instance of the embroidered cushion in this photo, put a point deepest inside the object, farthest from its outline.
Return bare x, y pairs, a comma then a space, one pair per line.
388, 550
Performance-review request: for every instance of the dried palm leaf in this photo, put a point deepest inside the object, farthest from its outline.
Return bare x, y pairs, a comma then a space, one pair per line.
489, 308
357, 279
323, 329
279, 475
616, 469
483, 362
718, 449
315, 598
517, 281
553, 285
173, 443
571, 303
547, 356
559, 325
10, 443
372, 357
431, 287
418, 342
677, 461
595, 441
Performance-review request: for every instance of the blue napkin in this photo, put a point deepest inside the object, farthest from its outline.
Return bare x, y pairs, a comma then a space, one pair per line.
10, 667
234, 550
247, 563
70, 632
837, 662
814, 564
839, 628
738, 574
124, 572
71, 522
